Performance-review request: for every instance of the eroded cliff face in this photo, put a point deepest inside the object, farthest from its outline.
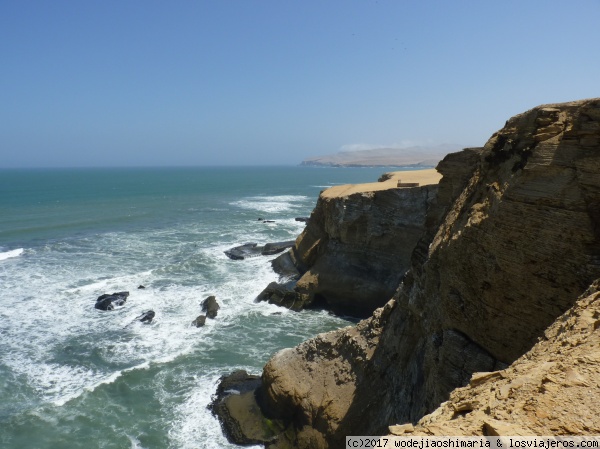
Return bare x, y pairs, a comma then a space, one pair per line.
356, 246
554, 389
519, 240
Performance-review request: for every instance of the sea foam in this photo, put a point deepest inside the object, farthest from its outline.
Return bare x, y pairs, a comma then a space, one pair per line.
10, 254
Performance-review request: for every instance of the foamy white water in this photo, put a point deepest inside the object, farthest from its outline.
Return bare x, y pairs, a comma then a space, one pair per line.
10, 254
73, 376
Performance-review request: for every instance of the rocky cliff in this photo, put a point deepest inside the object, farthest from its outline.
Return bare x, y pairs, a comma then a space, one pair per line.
357, 244
551, 390
511, 241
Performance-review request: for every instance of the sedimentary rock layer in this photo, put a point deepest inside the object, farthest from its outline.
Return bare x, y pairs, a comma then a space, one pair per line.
357, 245
551, 390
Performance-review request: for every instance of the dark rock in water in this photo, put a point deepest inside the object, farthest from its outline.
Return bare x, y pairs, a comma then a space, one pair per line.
284, 266
210, 306
110, 301
302, 219
268, 221
273, 248
283, 295
140, 287
235, 405
199, 321
253, 249
244, 251
147, 317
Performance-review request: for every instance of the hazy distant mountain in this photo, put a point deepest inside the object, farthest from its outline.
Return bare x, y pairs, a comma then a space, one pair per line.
426, 156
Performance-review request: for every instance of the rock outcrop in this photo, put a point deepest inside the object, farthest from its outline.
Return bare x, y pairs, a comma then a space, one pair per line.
199, 321
147, 317
210, 306
235, 405
109, 301
253, 249
511, 240
553, 389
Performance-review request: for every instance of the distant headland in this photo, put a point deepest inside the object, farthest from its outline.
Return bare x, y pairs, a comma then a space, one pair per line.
417, 156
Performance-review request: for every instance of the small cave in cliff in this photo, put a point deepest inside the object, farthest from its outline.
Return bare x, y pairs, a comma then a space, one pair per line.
320, 302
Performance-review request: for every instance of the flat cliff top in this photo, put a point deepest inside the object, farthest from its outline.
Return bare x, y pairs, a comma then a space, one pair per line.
422, 177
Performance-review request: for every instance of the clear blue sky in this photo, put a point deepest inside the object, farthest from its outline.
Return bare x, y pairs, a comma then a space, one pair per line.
126, 83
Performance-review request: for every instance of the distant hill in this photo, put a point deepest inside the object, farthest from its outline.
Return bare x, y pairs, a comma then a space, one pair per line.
425, 156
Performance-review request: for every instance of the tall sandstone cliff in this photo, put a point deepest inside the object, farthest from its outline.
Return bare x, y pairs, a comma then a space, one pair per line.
357, 247
512, 240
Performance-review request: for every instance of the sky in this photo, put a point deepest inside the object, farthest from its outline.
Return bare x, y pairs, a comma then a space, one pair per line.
271, 82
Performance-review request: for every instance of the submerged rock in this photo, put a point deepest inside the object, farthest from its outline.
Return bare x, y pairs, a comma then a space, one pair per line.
253, 250
110, 301
210, 306
244, 251
147, 317
199, 321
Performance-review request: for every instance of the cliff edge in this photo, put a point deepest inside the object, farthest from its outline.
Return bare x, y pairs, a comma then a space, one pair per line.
357, 244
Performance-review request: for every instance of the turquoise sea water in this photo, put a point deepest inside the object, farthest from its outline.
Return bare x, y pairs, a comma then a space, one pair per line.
72, 376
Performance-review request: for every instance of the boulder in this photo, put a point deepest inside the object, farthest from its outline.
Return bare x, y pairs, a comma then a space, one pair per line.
284, 266
302, 219
253, 249
110, 301
147, 317
199, 321
210, 306
244, 251
284, 295
235, 405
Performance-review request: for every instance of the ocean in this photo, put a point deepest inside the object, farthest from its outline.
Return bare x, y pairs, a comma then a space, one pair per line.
72, 376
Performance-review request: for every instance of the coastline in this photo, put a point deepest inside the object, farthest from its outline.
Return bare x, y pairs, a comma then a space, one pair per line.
80, 236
